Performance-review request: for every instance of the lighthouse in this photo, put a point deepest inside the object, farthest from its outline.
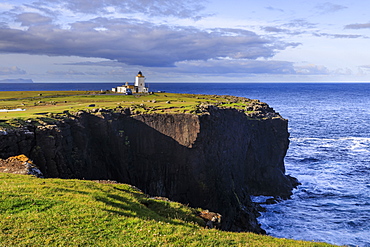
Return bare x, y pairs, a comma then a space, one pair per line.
140, 83
138, 87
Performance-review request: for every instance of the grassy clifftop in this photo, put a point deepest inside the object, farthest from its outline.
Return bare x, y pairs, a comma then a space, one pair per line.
57, 102
55, 212
54, 104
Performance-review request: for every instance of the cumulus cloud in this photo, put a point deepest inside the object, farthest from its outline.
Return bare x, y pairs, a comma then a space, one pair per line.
14, 70
135, 42
78, 28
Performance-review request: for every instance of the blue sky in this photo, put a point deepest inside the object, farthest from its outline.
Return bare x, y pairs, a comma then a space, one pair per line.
185, 41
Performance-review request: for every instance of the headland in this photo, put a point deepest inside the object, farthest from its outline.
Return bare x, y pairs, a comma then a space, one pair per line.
206, 151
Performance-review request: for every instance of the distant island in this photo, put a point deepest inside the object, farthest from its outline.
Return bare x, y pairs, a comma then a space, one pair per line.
16, 81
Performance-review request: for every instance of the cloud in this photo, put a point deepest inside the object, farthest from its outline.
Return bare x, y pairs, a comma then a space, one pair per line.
118, 71
134, 42
274, 9
365, 66
328, 7
278, 30
208, 67
223, 66
63, 73
14, 70
181, 9
75, 72
250, 67
358, 26
312, 69
275, 30
340, 36
30, 19
300, 23
6, 6
100, 63
78, 72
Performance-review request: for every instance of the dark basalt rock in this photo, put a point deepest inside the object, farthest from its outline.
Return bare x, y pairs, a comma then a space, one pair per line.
215, 160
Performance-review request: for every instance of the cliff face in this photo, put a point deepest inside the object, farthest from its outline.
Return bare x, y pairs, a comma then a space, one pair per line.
214, 160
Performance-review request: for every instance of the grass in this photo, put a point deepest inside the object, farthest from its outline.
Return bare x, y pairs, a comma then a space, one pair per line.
56, 212
54, 103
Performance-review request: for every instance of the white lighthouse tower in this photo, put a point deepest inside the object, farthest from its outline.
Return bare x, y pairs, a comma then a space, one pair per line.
140, 83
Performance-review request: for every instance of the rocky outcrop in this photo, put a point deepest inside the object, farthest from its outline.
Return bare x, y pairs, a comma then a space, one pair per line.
213, 160
20, 165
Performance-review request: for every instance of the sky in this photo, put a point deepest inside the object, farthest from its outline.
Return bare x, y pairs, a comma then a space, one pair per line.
185, 40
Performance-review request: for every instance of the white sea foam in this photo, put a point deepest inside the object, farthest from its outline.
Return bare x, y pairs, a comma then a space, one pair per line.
360, 145
355, 144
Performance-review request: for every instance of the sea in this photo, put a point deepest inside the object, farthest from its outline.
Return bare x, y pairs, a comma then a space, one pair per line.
329, 153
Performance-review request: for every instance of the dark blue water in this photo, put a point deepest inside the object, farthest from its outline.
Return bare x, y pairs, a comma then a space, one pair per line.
329, 153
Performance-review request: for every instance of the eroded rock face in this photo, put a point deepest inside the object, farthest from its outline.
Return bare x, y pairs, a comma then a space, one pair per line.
215, 160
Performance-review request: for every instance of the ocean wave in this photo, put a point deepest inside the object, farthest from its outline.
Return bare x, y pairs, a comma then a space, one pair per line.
334, 148
309, 160
354, 138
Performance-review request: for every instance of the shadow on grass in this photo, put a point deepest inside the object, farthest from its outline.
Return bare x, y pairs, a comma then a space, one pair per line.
145, 208
19, 204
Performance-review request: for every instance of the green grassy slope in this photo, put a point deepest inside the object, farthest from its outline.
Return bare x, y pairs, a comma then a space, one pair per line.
55, 212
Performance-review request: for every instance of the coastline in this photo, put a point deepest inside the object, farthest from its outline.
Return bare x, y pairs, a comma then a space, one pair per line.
179, 134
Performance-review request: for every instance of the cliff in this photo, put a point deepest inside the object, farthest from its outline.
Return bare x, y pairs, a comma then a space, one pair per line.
214, 159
